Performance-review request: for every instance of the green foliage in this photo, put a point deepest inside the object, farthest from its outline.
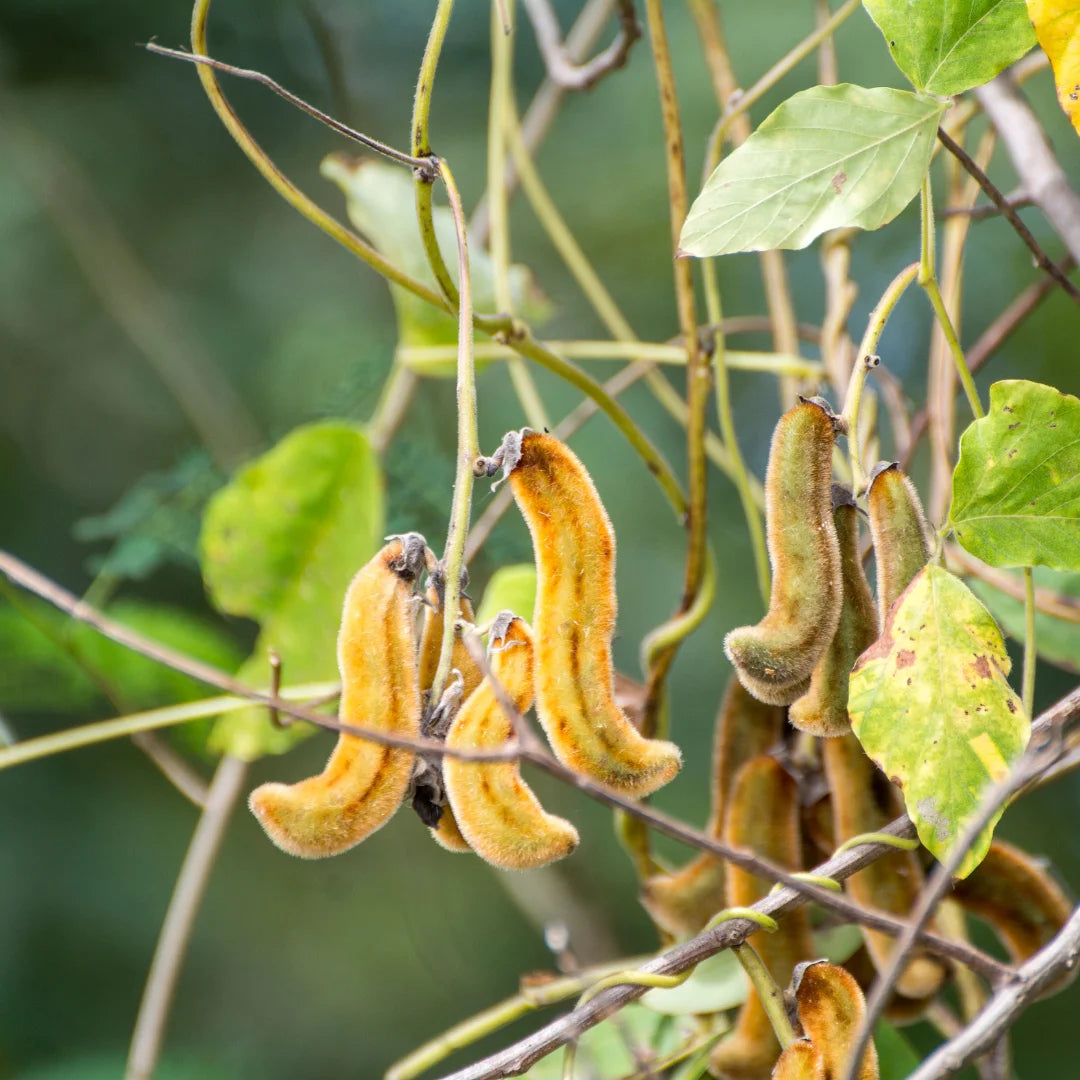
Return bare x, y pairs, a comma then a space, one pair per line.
949, 46
279, 545
511, 588
828, 157
1016, 488
381, 201
930, 704
1056, 640
897, 1058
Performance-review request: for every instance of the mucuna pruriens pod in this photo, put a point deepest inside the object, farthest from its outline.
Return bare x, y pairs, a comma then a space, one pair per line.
899, 531
831, 1008
763, 817
496, 811
574, 620
683, 902
893, 882
363, 783
776, 658
822, 710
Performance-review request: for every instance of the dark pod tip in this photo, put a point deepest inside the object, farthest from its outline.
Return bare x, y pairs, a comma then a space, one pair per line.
842, 496
882, 467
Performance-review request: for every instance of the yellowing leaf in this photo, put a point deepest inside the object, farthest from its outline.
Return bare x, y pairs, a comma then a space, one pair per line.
1057, 26
930, 704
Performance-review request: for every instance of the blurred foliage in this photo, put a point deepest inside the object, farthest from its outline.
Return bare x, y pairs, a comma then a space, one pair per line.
323, 970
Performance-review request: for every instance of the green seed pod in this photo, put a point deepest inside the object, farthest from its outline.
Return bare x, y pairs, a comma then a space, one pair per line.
776, 657
823, 709
831, 1008
899, 530
763, 817
864, 801
681, 903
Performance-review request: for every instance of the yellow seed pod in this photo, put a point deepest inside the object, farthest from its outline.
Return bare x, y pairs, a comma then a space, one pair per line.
363, 783
447, 834
822, 710
498, 814
831, 1008
864, 801
763, 817
683, 902
899, 530
800, 1061
1017, 897
776, 658
574, 618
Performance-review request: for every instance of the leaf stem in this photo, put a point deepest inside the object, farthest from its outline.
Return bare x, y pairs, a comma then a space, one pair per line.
1030, 651
769, 994
929, 283
468, 449
421, 148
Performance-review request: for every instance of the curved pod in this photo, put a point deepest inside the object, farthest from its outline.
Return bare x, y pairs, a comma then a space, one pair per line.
363, 783
899, 531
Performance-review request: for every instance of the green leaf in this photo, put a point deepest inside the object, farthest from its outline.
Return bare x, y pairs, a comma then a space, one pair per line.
930, 704
949, 46
829, 157
381, 201
511, 588
1016, 487
280, 544
1056, 640
896, 1056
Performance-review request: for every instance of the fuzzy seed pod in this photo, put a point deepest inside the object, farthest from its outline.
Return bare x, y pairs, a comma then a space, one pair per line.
1017, 897
800, 1061
683, 902
823, 709
574, 617
831, 1008
496, 811
363, 783
864, 801
899, 530
763, 816
776, 658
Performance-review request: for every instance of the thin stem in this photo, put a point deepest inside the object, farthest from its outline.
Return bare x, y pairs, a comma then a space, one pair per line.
1030, 651
928, 280
468, 444
394, 401
421, 148
769, 994
502, 57
722, 362
187, 896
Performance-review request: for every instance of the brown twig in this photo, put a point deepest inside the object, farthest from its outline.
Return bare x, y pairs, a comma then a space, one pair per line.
1042, 260
558, 59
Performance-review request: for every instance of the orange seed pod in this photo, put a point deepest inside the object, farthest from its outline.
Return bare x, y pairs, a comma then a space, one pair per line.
574, 617
822, 710
776, 657
683, 902
363, 783
496, 811
763, 816
899, 530
831, 1008
864, 801
800, 1061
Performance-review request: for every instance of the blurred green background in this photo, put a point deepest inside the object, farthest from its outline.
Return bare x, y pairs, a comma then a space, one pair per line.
117, 184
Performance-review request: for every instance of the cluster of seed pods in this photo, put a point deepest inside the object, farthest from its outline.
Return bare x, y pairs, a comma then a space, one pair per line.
562, 666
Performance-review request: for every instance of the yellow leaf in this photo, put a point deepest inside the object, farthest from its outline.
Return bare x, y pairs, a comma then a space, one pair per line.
1057, 26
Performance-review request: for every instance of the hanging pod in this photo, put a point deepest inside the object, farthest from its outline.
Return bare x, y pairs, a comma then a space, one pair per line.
363, 783
775, 658
899, 530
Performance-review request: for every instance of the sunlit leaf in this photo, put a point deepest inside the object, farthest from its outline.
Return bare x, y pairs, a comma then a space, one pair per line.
1016, 488
511, 588
930, 704
280, 544
1056, 640
829, 157
1057, 26
381, 202
949, 46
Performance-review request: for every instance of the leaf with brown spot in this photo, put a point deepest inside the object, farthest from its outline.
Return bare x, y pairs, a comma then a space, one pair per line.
944, 723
